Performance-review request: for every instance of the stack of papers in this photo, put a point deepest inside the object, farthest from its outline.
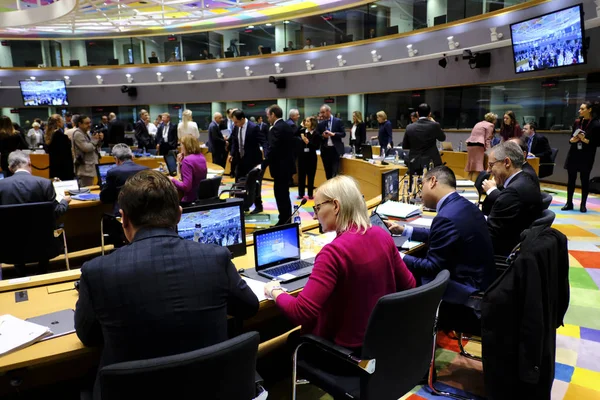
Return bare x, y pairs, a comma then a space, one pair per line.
257, 287
16, 334
398, 210
422, 222
464, 183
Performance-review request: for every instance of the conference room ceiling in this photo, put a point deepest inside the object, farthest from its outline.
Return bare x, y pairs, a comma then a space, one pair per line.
149, 17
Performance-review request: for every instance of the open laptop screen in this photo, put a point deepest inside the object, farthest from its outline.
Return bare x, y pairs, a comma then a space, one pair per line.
390, 182
102, 171
276, 245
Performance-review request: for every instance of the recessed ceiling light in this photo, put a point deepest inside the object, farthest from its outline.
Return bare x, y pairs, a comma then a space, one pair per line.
251, 27
286, 22
269, 24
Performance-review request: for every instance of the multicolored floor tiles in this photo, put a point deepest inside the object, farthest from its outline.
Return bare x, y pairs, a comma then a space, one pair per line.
578, 342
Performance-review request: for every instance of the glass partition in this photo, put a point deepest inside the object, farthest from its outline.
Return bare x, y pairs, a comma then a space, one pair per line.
377, 19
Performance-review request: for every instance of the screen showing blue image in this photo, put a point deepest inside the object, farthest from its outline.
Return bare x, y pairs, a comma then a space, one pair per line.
390, 182
273, 247
103, 170
220, 226
44, 93
549, 41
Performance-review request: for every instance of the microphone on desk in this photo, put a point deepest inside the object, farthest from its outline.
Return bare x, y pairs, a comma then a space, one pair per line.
303, 202
79, 189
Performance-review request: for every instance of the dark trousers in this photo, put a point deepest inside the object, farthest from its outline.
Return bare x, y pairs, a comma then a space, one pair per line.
281, 187
584, 176
331, 161
220, 158
307, 168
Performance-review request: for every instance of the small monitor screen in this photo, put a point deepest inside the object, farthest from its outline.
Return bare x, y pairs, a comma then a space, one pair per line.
549, 41
390, 182
219, 223
44, 93
276, 245
171, 161
102, 171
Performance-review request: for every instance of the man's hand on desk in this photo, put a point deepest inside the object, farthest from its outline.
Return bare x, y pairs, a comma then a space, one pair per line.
488, 184
394, 227
67, 199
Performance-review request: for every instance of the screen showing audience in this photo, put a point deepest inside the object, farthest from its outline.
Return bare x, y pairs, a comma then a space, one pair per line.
220, 226
103, 170
44, 93
549, 41
390, 185
277, 246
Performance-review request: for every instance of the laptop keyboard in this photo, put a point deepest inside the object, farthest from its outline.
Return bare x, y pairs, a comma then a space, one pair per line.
288, 268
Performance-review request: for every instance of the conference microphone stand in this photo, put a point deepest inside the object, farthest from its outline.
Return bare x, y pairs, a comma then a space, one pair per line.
303, 202
79, 189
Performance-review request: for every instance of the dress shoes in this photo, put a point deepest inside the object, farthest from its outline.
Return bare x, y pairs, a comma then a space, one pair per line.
567, 207
257, 210
583, 208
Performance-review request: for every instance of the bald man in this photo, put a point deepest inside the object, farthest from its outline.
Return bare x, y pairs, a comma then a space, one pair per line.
217, 144
116, 130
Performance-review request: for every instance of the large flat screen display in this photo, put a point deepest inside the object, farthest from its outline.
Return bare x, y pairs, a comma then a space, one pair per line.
44, 93
552, 40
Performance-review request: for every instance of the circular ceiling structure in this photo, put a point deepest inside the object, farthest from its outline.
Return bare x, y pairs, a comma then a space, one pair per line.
118, 18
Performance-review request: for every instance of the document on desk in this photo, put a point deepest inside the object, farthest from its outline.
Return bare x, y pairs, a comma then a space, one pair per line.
64, 186
257, 287
464, 183
422, 222
16, 334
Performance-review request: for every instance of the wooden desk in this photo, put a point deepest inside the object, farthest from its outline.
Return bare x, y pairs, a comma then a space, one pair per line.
457, 161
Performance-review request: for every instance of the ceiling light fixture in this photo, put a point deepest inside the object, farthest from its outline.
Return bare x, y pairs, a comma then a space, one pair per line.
129, 78
249, 72
376, 57
160, 77
495, 36
412, 52
340, 60
309, 66
67, 80
32, 78
278, 68
451, 43
99, 79
219, 73
190, 76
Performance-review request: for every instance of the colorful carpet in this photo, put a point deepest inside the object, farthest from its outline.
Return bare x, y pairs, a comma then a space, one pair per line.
578, 342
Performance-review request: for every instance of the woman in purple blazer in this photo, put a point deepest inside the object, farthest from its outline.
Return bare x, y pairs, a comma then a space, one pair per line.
192, 169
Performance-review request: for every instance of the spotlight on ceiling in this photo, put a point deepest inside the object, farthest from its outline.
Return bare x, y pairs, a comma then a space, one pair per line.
495, 36
160, 77
129, 78
32, 78
99, 79
190, 76
279, 82
451, 43
412, 52
67, 80
249, 72
309, 66
340, 60
376, 57
219, 73
278, 68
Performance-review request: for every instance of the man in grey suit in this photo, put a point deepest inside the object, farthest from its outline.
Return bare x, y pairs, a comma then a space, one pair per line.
217, 144
420, 138
161, 295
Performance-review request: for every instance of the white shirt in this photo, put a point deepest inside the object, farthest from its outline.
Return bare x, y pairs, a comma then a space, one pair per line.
329, 126
166, 132
192, 129
309, 47
152, 129
242, 137
353, 135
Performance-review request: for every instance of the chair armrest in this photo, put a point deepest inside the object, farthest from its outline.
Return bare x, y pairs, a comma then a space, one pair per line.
58, 232
258, 379
344, 354
234, 192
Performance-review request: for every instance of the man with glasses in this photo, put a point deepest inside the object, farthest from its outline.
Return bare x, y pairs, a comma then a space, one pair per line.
332, 131
518, 205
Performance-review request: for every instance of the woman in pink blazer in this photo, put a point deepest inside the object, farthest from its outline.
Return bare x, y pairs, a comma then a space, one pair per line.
478, 143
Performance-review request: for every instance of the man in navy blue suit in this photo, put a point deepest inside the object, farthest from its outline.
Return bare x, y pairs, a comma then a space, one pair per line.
332, 148
459, 240
166, 136
246, 141
161, 295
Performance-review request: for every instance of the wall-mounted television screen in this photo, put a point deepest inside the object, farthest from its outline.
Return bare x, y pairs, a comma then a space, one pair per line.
44, 93
551, 40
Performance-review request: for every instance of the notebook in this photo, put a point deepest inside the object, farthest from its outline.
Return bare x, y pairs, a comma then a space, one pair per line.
398, 210
16, 334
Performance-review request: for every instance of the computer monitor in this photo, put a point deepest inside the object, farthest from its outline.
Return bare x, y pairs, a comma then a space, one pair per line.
30, 63
112, 61
392, 30
367, 151
171, 161
390, 185
153, 60
74, 63
266, 50
219, 223
228, 54
102, 170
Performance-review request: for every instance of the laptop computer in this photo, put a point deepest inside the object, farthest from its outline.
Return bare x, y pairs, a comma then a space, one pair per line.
377, 221
60, 322
153, 60
277, 254
102, 170
367, 151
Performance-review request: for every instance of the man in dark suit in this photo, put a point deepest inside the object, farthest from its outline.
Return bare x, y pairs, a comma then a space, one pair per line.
246, 141
537, 144
102, 126
166, 136
217, 144
420, 138
280, 161
293, 117
458, 239
141, 131
332, 131
264, 128
518, 204
161, 295
116, 130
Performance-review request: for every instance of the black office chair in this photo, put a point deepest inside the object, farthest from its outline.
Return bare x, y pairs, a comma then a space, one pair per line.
209, 188
347, 149
389, 366
29, 234
545, 220
546, 200
547, 169
246, 187
222, 371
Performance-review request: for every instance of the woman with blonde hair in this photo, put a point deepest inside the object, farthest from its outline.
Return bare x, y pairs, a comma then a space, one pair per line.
10, 140
307, 157
385, 132
358, 133
478, 143
191, 166
59, 149
187, 126
328, 306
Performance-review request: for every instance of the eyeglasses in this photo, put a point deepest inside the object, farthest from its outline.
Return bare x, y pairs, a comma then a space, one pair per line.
491, 164
317, 207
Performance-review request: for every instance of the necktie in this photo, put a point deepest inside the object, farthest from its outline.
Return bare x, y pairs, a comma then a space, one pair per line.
530, 142
241, 141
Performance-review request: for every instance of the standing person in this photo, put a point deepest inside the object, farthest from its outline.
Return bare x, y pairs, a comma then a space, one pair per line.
280, 161
35, 136
116, 130
510, 128
246, 141
86, 151
58, 146
10, 140
293, 117
385, 137
192, 169
332, 131
420, 138
478, 143
217, 144
230, 127
582, 153
308, 44
69, 121
358, 134
152, 128
166, 136
187, 126
141, 132
307, 158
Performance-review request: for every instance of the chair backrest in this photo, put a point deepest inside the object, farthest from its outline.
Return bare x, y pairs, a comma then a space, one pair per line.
553, 154
209, 188
483, 175
546, 200
401, 361
347, 149
222, 371
547, 169
27, 233
252, 179
545, 220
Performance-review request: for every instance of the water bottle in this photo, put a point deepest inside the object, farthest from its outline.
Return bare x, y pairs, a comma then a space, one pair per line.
197, 233
297, 219
460, 146
353, 152
397, 159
